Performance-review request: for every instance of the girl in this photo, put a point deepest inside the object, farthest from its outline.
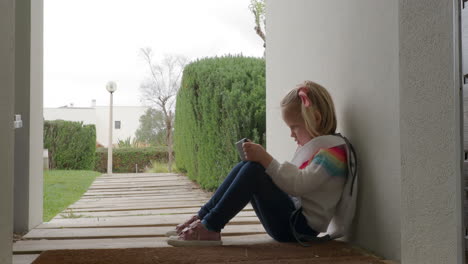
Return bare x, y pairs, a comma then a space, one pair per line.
297, 197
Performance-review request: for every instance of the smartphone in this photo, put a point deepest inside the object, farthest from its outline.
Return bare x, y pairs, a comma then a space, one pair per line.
240, 149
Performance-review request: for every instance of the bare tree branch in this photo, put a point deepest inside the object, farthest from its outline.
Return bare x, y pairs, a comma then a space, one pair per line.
160, 89
257, 7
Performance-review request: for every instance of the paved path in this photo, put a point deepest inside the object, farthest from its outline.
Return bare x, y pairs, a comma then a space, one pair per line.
130, 211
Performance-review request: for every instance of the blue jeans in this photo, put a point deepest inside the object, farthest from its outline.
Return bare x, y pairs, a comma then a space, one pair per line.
248, 182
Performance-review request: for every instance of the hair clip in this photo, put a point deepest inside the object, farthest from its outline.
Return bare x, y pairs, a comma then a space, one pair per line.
302, 92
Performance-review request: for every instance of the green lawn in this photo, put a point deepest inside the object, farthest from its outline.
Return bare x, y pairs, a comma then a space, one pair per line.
64, 187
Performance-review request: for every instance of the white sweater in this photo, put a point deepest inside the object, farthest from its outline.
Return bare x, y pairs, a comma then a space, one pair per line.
316, 175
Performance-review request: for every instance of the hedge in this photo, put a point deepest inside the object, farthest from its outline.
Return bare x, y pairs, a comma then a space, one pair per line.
71, 145
124, 159
221, 100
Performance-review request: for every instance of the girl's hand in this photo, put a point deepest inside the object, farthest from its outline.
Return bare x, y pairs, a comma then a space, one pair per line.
255, 152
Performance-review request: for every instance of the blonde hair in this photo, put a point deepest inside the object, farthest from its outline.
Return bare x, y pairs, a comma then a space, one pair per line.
322, 104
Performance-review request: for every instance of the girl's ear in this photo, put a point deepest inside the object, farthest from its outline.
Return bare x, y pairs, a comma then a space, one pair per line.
318, 118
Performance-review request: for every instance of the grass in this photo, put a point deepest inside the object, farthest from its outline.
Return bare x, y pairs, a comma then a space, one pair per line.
64, 187
159, 167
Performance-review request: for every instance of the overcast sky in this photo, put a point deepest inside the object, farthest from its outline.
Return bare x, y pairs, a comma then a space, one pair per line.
90, 42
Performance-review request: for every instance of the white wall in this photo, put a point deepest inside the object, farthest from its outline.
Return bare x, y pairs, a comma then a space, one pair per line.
85, 115
129, 117
464, 31
37, 125
430, 132
7, 73
351, 48
28, 103
393, 70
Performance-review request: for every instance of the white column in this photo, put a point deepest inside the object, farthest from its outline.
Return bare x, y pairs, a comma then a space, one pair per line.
7, 82
109, 148
28, 103
430, 127
36, 177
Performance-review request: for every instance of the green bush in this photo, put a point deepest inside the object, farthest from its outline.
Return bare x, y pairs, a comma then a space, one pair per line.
71, 145
221, 100
124, 159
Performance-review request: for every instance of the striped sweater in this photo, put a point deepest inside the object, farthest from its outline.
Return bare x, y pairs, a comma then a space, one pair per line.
316, 175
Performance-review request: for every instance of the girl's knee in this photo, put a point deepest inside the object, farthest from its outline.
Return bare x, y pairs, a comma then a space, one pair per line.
254, 165
240, 164
253, 171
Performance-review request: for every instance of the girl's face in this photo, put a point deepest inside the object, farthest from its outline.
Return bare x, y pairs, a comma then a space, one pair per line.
297, 127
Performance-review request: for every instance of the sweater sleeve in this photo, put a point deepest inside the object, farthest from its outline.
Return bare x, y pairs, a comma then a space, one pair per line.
325, 165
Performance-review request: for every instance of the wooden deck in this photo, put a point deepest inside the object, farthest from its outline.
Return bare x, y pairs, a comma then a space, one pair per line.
131, 211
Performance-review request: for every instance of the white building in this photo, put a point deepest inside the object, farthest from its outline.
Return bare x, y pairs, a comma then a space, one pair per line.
126, 120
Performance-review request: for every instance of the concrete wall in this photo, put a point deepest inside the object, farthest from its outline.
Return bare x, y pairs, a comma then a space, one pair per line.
22, 107
129, 117
464, 34
351, 48
28, 103
85, 115
7, 72
392, 68
36, 144
430, 132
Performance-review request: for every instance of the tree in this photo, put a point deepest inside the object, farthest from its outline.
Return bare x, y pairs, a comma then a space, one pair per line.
152, 128
160, 88
257, 7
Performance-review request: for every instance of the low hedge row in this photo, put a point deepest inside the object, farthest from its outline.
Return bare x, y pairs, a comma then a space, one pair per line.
71, 144
125, 159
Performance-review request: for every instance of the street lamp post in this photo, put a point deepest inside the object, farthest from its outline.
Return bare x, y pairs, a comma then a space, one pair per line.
111, 88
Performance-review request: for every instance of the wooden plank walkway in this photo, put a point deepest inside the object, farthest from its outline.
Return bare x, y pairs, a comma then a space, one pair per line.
131, 211
128, 211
